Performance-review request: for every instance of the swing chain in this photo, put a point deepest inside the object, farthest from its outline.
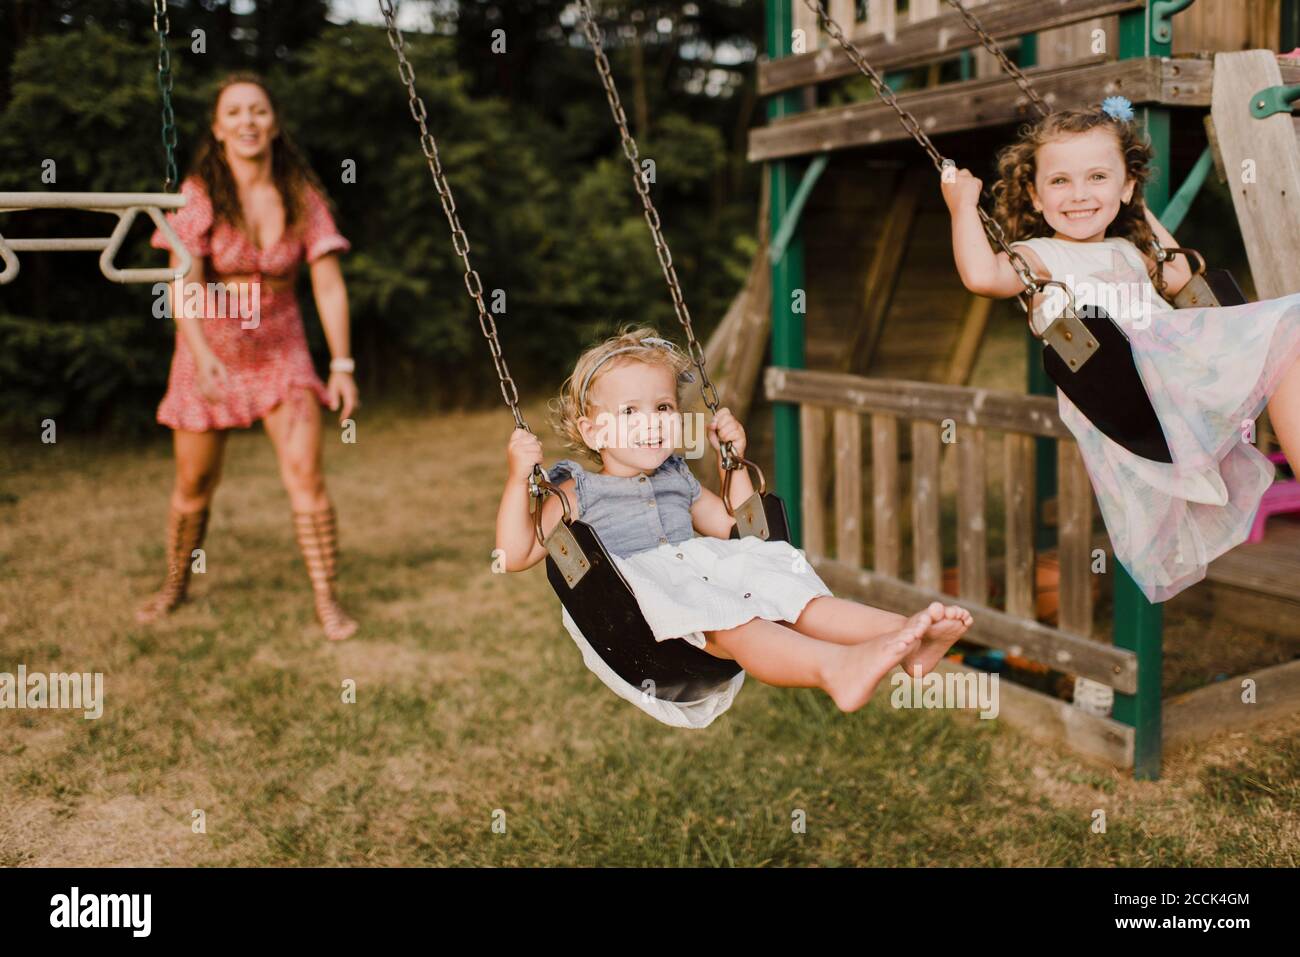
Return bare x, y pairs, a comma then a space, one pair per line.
992, 228
459, 241
1161, 255
729, 459
1008, 67
162, 26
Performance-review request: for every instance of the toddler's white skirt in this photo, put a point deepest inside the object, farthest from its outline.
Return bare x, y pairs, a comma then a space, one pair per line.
706, 584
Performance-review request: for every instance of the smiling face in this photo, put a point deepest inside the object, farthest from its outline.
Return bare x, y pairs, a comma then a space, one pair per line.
245, 121
636, 423
1080, 183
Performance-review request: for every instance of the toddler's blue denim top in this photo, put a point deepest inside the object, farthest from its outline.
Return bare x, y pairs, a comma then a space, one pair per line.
636, 513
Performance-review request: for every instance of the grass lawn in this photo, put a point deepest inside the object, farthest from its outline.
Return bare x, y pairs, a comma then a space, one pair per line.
472, 705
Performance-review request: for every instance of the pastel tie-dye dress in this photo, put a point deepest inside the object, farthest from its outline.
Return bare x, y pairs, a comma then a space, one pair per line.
1209, 373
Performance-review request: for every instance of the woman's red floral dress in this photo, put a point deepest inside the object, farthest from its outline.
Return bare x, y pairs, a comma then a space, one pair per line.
264, 351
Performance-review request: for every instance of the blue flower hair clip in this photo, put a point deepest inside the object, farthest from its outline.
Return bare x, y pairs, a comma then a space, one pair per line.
1117, 108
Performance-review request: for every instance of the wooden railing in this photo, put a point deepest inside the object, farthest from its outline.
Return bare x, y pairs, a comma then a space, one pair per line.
832, 407
930, 30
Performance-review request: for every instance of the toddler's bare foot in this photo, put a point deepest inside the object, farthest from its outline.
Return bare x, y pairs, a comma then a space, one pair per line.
852, 679
948, 623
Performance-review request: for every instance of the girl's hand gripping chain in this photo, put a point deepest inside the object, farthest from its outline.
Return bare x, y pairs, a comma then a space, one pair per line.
725, 427
523, 452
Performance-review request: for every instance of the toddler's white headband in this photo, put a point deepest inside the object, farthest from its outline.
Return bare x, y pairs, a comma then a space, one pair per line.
686, 376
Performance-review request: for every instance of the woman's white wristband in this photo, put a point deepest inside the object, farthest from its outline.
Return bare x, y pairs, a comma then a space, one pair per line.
343, 365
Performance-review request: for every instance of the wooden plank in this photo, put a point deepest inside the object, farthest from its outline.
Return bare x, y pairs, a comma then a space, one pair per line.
1268, 208
843, 12
886, 537
921, 10
848, 486
812, 426
973, 324
1074, 536
1228, 25
972, 539
954, 106
979, 408
882, 275
1018, 501
992, 628
882, 22
805, 19
1200, 714
1270, 567
927, 566
1053, 721
889, 46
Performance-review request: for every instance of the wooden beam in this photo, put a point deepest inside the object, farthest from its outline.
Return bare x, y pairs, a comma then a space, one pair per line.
1075, 540
1058, 722
972, 537
973, 408
1219, 707
886, 548
1262, 161
889, 46
1018, 499
1061, 650
927, 554
848, 486
882, 274
812, 427
973, 324
993, 101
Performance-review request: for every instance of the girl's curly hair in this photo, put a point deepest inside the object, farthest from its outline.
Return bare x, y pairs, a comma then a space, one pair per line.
565, 412
1014, 209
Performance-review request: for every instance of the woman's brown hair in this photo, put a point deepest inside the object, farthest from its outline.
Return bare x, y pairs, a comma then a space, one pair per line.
1013, 208
290, 171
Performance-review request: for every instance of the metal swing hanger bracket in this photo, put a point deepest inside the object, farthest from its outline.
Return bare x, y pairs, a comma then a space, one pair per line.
1273, 99
125, 205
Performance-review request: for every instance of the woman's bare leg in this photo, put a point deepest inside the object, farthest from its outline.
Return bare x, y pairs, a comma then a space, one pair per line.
780, 656
198, 469
1284, 413
294, 428
199, 457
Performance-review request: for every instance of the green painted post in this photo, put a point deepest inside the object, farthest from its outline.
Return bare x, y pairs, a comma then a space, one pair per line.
1138, 624
787, 340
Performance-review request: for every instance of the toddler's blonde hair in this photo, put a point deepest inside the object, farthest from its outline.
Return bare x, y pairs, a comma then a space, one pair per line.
565, 410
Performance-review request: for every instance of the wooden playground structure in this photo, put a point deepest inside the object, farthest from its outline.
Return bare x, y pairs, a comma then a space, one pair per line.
870, 329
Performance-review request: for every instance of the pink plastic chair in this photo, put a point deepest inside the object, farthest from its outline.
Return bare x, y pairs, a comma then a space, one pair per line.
1281, 498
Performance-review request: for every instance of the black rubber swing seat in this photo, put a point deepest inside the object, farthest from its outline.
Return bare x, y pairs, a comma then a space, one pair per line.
1108, 388
605, 609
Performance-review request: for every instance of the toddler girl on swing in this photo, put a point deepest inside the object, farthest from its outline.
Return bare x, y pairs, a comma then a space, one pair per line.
1070, 195
747, 599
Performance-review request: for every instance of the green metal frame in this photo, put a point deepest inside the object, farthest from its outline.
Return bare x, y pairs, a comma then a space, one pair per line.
787, 340
1273, 99
1138, 624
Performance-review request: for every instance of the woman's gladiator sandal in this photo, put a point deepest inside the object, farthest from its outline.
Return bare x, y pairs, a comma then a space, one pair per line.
185, 532
318, 538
